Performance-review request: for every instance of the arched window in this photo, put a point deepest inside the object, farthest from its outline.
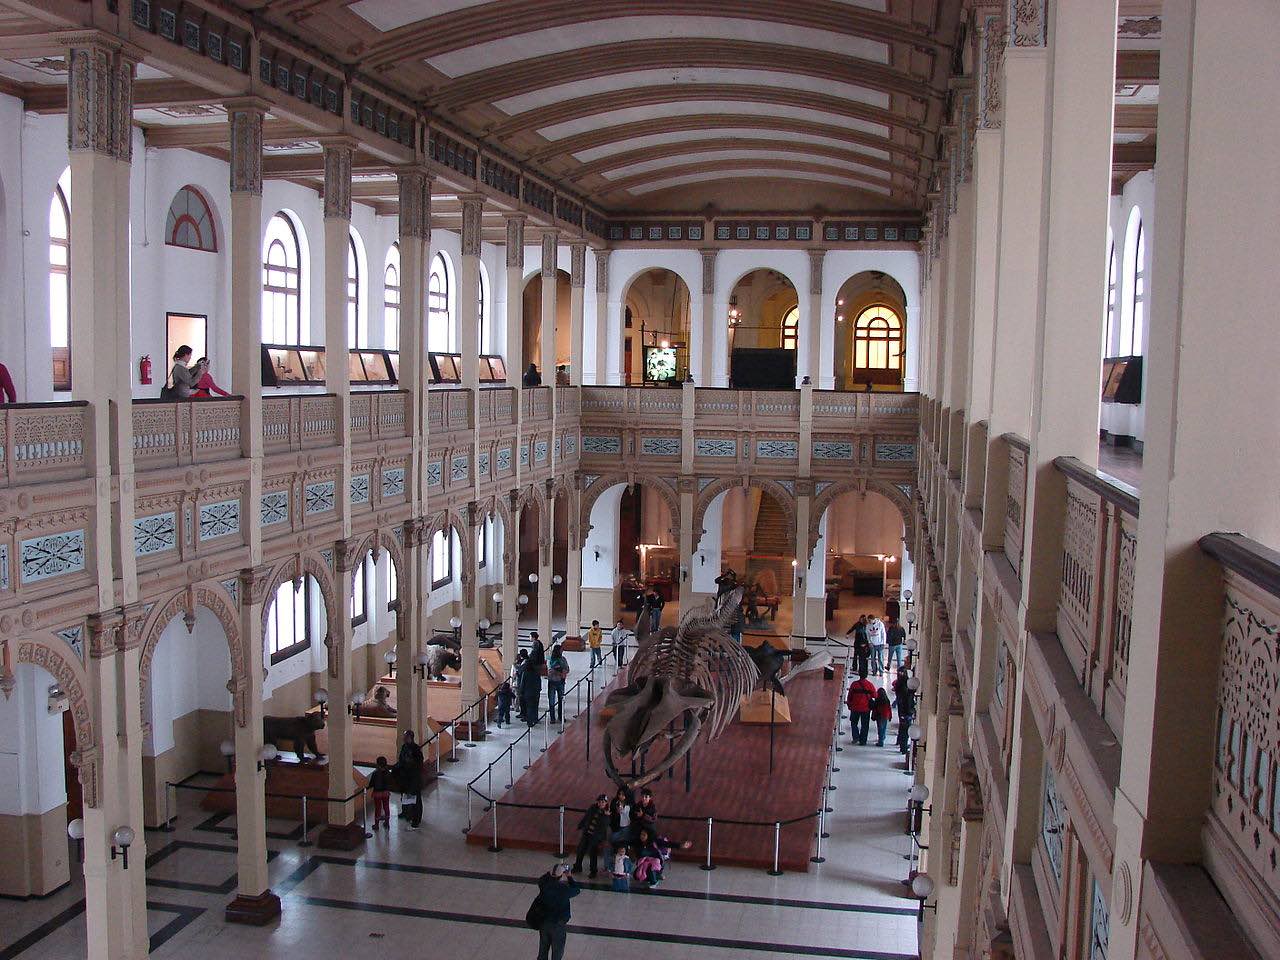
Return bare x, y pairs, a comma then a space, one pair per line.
391, 299
393, 581
357, 332
877, 340
190, 222
365, 578
441, 558
60, 281
1111, 299
1134, 293
442, 334
281, 283
790, 324
485, 346
289, 625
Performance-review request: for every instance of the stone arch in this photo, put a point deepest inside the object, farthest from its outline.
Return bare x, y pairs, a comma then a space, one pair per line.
214, 598
293, 568
784, 497
450, 520
601, 484
55, 657
505, 509
859, 485
381, 539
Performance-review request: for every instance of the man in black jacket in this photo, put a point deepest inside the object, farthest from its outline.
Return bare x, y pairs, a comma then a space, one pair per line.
595, 832
555, 890
531, 680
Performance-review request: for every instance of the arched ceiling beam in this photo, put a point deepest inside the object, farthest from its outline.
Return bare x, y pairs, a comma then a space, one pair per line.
872, 199
475, 25
585, 63
623, 132
730, 93
712, 166
616, 161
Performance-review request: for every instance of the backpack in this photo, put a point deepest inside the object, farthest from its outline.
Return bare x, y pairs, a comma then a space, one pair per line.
536, 914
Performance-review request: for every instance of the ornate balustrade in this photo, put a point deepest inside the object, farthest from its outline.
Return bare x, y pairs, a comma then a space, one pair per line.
1095, 600
170, 434
42, 442
536, 403
1015, 514
1242, 830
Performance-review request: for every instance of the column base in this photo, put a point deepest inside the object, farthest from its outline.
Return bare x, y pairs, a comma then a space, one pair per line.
255, 911
341, 836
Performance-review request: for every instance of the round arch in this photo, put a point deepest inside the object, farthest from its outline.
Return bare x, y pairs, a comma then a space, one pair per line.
214, 598
784, 497
381, 539
657, 311
598, 486
52, 655
450, 520
297, 566
863, 355
829, 494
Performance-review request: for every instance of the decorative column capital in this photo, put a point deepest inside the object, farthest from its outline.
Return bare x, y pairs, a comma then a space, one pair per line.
338, 155
550, 253
255, 584
578, 264
100, 97
602, 271
1028, 23
135, 618
414, 183
708, 271
104, 632
515, 239
246, 117
347, 554
472, 209
990, 63
817, 256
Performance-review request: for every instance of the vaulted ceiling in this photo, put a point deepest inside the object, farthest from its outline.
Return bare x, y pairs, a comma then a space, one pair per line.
670, 105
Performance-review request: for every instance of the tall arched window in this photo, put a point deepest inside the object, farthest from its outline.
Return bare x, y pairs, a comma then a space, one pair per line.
190, 222
442, 335
790, 325
357, 332
1133, 283
391, 300
289, 624
441, 558
60, 281
485, 346
1111, 299
877, 340
281, 283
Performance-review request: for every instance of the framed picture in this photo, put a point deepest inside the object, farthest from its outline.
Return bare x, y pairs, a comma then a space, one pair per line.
189, 329
659, 364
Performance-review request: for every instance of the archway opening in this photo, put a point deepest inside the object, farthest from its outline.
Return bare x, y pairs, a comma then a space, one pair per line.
871, 333
531, 347
764, 321
631, 551
655, 336
860, 541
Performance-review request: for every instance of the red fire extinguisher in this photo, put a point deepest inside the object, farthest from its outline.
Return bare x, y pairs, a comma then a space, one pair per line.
144, 369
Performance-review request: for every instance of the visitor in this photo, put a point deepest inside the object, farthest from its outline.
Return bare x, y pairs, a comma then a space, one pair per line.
595, 638
644, 812
726, 582
622, 867
516, 679
882, 713
906, 704
531, 680
595, 833
876, 634
557, 674
506, 693
532, 378
861, 695
897, 641
408, 771
656, 603
549, 914
860, 642
619, 639
204, 380
380, 786
7, 393
620, 833
182, 379
649, 861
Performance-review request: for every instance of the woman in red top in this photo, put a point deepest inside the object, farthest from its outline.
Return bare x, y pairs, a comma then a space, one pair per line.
205, 384
882, 713
7, 393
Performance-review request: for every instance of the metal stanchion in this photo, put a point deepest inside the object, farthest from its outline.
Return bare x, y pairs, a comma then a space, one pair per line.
495, 847
528, 748
560, 848
437, 740
168, 827
486, 715
467, 828
708, 865
546, 730
304, 842
364, 812
818, 857
453, 740
822, 825
489, 782
777, 845
511, 765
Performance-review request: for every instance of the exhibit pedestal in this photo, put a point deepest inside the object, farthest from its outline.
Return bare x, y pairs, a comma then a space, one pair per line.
764, 707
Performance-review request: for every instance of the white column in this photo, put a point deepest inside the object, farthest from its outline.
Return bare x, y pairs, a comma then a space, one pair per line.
337, 238
550, 253
818, 337
342, 831
577, 285
469, 293
608, 339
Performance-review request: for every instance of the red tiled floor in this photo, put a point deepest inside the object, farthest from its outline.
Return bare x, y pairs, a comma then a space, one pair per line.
730, 781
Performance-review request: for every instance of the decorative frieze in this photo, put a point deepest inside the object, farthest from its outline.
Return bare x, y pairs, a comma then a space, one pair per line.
602, 272
660, 446
246, 150
219, 519
816, 258
415, 203
577, 265
777, 449
51, 555
1028, 23
990, 63
472, 209
273, 508
459, 468
540, 451
832, 450
155, 534
717, 447
392, 482
896, 452
337, 180
359, 489
550, 251
318, 497
515, 241
100, 101
708, 271
601, 445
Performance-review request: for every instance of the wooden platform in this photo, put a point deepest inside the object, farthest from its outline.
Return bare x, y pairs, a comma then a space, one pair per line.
291, 779
730, 781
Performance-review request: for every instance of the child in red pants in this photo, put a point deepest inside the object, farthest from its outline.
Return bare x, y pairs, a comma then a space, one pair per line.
380, 787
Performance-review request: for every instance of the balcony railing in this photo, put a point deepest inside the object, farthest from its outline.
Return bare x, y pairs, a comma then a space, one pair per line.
175, 433
42, 442
1095, 600
1016, 503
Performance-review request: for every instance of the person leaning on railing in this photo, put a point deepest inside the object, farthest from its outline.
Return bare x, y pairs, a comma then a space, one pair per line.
7, 393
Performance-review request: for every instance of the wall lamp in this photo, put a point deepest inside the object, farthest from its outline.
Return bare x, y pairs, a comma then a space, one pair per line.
121, 840
228, 751
556, 579
522, 600
533, 578
75, 830
922, 890
357, 702
916, 810
322, 701
266, 753
497, 597
420, 665
390, 656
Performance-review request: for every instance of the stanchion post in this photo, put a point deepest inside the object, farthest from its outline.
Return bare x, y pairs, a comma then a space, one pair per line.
495, 847
777, 846
453, 740
511, 765
489, 782
560, 848
818, 857
546, 730
708, 865
528, 748
822, 825
364, 812
168, 826
305, 841
469, 792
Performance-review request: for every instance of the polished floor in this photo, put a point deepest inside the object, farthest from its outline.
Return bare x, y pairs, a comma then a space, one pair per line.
429, 893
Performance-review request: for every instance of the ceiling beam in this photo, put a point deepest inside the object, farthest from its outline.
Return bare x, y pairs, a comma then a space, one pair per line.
191, 135
1140, 155
52, 97
1138, 66
714, 166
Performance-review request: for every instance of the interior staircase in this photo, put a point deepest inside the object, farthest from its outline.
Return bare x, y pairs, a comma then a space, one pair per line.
772, 538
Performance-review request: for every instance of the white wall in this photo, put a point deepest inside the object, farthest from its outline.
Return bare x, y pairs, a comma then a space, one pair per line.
603, 572
189, 672
32, 778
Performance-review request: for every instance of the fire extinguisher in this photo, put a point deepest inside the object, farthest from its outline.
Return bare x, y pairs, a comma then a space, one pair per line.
144, 369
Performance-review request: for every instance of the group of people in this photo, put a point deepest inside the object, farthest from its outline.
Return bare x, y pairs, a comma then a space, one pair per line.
867, 702
405, 776
188, 380
523, 686
878, 644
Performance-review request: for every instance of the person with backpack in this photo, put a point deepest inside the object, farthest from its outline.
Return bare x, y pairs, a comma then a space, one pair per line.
882, 713
549, 913
861, 645
506, 694
861, 696
557, 674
